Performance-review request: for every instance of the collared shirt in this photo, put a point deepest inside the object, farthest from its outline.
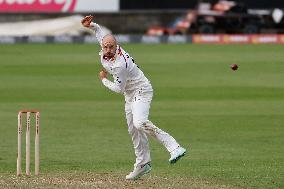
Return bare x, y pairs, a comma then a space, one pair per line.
128, 79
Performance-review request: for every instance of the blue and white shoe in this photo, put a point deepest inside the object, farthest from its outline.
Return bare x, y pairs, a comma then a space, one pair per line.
177, 154
139, 171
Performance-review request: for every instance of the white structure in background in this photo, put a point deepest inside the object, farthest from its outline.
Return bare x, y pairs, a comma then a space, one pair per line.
277, 15
70, 25
97, 6
71, 6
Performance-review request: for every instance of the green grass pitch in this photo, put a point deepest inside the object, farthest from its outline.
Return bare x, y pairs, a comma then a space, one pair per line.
232, 123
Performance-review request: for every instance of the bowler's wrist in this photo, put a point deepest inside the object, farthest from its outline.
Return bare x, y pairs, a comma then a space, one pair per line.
93, 25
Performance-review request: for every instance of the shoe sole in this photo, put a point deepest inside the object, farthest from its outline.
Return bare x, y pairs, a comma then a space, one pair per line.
177, 158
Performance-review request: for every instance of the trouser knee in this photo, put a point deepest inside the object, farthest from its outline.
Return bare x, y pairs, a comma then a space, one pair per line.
140, 125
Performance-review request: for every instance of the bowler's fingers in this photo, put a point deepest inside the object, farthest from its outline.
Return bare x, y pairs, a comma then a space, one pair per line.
102, 74
91, 18
87, 20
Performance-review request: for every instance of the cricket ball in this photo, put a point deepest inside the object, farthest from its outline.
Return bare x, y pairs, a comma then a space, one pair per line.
234, 67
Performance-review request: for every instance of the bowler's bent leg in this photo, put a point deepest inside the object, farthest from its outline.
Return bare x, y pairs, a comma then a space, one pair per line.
139, 139
141, 147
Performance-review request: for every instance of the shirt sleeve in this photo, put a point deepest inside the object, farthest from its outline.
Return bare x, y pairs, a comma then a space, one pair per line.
98, 31
119, 81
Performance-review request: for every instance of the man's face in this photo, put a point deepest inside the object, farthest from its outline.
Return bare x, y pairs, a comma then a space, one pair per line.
109, 49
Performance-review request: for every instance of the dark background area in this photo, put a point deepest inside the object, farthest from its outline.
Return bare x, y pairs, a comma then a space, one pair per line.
189, 4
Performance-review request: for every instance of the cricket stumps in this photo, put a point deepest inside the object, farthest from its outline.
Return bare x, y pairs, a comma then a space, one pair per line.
20, 130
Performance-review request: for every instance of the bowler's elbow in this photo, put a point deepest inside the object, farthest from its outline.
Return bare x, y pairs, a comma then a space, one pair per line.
121, 91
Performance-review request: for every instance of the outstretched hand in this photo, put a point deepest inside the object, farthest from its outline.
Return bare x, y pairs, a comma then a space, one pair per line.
87, 21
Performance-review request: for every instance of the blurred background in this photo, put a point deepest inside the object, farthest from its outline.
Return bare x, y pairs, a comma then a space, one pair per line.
34, 20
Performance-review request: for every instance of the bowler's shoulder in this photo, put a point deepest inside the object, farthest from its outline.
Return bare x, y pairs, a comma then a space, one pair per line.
119, 63
121, 60
122, 53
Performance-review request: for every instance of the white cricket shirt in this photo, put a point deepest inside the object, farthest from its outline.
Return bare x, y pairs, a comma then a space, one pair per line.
128, 79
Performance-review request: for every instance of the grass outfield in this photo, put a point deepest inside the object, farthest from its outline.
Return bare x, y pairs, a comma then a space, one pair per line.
231, 122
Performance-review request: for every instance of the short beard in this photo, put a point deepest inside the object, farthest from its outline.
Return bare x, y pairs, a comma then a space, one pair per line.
109, 55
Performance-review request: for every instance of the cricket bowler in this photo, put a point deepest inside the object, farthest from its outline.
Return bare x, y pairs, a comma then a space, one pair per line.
129, 80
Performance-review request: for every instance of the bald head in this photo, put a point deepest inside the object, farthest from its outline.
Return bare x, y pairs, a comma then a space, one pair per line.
109, 46
109, 39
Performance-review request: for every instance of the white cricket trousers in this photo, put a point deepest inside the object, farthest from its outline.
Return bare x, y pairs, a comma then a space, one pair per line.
137, 112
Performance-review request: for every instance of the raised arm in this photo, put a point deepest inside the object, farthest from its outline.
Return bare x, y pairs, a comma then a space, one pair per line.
88, 23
